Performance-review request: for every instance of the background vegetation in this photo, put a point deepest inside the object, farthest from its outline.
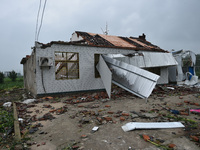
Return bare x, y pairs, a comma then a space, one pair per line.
198, 65
9, 84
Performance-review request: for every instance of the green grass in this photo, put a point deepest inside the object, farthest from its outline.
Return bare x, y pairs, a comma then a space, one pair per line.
8, 84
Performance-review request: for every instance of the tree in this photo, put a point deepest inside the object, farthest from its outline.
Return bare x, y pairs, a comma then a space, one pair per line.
2, 77
12, 75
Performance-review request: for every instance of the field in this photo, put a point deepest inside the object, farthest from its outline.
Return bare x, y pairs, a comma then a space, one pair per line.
8, 84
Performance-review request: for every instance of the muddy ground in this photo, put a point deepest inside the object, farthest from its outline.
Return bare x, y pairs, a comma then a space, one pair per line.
66, 122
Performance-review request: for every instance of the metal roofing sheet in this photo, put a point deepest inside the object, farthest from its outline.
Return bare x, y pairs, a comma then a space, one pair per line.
137, 81
106, 75
148, 60
159, 59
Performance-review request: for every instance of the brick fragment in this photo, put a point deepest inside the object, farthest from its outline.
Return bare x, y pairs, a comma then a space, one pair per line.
184, 113
75, 147
107, 106
110, 112
146, 137
84, 136
122, 119
99, 119
108, 118
52, 111
195, 138
171, 145
125, 114
96, 97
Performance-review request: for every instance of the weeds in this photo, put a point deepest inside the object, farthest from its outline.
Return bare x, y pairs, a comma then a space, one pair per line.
10, 85
6, 125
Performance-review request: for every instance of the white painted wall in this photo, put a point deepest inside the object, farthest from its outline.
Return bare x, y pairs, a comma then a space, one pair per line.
87, 80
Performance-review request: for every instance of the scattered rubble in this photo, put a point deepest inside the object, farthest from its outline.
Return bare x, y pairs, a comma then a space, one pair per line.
92, 112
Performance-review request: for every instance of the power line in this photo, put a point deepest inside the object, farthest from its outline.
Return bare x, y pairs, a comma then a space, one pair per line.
37, 20
41, 20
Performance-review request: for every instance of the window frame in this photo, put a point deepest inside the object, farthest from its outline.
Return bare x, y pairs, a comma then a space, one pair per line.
66, 62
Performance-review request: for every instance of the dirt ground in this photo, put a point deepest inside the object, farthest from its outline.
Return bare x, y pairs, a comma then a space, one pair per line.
66, 122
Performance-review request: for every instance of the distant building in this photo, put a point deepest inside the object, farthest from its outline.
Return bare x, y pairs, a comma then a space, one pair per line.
6, 74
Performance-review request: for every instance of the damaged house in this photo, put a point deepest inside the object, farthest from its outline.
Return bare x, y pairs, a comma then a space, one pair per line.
94, 61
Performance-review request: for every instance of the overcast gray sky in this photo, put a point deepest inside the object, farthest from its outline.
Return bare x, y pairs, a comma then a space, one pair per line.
169, 24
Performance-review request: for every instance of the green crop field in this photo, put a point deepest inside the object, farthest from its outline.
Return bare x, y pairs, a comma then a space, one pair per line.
9, 84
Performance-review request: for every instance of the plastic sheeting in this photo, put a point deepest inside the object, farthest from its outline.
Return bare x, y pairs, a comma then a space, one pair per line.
133, 79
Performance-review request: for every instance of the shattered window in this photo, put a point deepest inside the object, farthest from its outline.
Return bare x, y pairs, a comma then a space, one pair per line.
67, 65
96, 61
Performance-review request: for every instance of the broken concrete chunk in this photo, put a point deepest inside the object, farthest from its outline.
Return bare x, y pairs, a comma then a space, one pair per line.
150, 115
28, 101
134, 116
94, 129
7, 104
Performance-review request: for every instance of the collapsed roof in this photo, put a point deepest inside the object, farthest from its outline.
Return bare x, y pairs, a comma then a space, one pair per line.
101, 40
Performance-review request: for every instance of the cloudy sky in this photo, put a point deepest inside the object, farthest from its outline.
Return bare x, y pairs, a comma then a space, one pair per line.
170, 24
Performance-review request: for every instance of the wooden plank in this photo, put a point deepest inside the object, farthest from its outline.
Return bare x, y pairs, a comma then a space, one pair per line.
16, 123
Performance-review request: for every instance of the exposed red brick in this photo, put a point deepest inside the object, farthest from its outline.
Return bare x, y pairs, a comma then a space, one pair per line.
110, 112
184, 113
192, 103
84, 136
146, 137
196, 104
171, 145
108, 118
122, 119
117, 115
186, 102
51, 111
125, 114
195, 138
80, 106
75, 147
69, 99
96, 97
107, 106
99, 119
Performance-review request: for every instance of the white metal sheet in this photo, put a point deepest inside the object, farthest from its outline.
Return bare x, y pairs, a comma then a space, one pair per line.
151, 125
147, 60
106, 75
133, 79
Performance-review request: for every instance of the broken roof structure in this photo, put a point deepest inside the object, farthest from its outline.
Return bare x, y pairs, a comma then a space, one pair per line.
60, 67
184, 68
102, 40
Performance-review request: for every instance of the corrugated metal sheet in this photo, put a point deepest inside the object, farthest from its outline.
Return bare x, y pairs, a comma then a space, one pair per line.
106, 75
148, 60
133, 79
